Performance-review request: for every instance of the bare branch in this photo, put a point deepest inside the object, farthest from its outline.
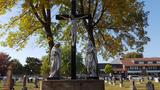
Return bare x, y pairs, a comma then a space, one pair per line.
82, 11
44, 12
36, 14
25, 38
94, 12
102, 12
49, 16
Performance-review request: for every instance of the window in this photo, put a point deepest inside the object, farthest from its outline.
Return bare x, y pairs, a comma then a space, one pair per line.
141, 62
133, 68
150, 62
152, 68
136, 62
145, 62
154, 62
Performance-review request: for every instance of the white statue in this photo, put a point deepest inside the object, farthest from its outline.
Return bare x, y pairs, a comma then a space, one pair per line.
91, 60
55, 60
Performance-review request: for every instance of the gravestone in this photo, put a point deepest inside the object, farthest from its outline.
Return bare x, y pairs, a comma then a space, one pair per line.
24, 83
149, 86
132, 85
8, 85
4, 81
142, 80
110, 79
114, 80
156, 79
121, 81
36, 82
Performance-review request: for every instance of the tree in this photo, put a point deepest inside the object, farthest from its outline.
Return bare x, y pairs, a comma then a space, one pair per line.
108, 69
113, 27
133, 55
66, 57
65, 64
18, 67
4, 60
79, 64
45, 68
32, 65
33, 18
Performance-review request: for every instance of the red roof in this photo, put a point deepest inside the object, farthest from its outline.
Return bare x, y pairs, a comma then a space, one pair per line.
128, 62
144, 59
118, 69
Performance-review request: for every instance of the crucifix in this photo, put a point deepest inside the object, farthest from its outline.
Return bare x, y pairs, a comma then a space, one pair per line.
74, 16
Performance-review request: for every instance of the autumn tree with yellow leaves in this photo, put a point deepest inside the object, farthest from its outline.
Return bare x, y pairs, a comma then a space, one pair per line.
114, 25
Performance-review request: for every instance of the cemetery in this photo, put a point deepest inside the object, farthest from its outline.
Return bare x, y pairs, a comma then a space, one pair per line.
61, 44
126, 85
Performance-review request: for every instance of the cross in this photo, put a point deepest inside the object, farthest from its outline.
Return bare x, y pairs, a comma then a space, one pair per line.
74, 16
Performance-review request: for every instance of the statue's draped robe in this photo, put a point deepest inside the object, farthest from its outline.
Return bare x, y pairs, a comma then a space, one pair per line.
55, 60
91, 61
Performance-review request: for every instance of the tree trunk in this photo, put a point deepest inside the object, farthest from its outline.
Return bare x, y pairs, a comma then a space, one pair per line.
49, 37
91, 37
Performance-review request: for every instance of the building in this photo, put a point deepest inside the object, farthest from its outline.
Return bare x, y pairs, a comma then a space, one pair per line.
134, 66
116, 64
101, 67
142, 66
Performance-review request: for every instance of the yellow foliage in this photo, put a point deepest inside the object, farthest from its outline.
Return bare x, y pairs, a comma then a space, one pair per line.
6, 5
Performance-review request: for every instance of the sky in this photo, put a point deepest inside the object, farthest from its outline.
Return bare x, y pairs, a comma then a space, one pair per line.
152, 49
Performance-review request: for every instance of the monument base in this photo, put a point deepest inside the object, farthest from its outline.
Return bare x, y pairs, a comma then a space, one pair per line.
72, 85
93, 78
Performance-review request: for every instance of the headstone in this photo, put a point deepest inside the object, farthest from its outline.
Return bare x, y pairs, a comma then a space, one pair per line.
114, 80
142, 79
8, 85
156, 79
24, 83
109, 79
132, 85
121, 81
129, 77
36, 82
106, 79
149, 86
12, 84
4, 81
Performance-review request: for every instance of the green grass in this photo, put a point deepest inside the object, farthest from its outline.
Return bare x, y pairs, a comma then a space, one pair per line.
126, 86
18, 86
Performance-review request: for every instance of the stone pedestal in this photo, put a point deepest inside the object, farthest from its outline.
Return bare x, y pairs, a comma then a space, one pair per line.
72, 85
9, 85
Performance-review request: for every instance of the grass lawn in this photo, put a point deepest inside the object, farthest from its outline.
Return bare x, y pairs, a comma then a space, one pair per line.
18, 86
126, 86
30, 86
